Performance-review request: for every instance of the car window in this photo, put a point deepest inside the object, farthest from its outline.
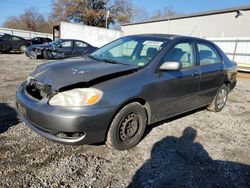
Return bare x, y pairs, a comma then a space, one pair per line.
6, 37
207, 54
183, 53
80, 44
15, 38
66, 44
125, 49
148, 47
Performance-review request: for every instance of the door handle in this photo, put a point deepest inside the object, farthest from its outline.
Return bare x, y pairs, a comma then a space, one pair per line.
195, 73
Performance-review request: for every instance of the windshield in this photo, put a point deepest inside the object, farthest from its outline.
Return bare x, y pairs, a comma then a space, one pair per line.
132, 50
55, 42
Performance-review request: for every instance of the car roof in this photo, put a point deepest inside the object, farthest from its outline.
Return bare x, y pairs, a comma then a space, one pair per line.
41, 37
167, 36
75, 40
71, 40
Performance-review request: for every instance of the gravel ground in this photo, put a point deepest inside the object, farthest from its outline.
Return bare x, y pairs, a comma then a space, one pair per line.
197, 149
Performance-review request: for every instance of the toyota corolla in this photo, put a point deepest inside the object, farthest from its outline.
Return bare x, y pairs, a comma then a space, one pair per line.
114, 93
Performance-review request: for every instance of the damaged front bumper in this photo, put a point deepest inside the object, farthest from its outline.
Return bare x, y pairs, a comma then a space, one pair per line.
32, 54
69, 125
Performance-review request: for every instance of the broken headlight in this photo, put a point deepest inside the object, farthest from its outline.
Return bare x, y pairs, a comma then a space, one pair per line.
77, 97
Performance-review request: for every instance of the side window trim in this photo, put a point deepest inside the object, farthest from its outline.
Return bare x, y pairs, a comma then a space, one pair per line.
210, 46
192, 44
71, 45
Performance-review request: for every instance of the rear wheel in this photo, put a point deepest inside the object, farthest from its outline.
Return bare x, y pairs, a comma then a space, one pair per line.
127, 127
219, 100
23, 48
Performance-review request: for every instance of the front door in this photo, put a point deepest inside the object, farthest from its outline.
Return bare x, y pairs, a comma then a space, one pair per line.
16, 42
178, 89
65, 48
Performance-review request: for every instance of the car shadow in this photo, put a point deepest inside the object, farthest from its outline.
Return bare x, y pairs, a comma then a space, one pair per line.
8, 117
150, 127
182, 162
12, 52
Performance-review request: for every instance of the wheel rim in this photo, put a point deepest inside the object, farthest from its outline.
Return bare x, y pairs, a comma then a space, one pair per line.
23, 48
129, 127
49, 54
221, 98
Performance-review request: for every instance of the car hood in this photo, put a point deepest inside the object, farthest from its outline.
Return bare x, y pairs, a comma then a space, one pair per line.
78, 72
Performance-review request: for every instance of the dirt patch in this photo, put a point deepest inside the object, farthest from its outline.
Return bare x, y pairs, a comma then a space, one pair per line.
243, 75
198, 149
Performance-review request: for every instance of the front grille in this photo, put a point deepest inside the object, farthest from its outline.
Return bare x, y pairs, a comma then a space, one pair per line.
38, 90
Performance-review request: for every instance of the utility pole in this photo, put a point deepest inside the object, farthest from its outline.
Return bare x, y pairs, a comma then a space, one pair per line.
107, 15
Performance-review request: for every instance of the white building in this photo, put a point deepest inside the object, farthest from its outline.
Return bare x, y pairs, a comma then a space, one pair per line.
233, 22
229, 28
95, 36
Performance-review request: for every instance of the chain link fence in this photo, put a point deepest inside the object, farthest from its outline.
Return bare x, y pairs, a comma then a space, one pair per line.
237, 50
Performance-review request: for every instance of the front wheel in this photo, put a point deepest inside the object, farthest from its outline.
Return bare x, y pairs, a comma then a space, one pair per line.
47, 54
127, 127
219, 100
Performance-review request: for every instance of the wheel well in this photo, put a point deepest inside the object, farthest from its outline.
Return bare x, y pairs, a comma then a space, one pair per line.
227, 83
141, 101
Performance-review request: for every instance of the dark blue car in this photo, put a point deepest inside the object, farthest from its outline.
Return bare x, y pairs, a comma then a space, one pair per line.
59, 49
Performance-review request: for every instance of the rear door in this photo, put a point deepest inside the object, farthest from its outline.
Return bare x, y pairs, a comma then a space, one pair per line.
79, 48
5, 43
178, 89
212, 70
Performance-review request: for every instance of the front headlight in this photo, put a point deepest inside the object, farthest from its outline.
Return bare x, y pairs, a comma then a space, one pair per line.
77, 97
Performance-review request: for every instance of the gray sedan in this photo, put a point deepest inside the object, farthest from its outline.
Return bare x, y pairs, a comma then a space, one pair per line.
114, 93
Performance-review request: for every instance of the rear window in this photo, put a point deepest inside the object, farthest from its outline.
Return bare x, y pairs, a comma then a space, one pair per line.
207, 54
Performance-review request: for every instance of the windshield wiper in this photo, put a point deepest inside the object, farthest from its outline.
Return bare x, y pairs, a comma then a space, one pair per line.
110, 61
107, 60
113, 61
95, 58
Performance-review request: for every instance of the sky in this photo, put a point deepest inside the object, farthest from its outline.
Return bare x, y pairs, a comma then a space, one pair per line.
15, 7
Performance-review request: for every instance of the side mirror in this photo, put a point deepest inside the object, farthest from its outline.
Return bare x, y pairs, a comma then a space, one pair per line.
171, 66
59, 45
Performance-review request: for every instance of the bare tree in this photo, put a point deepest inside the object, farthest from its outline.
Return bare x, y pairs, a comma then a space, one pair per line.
30, 20
122, 11
164, 13
139, 14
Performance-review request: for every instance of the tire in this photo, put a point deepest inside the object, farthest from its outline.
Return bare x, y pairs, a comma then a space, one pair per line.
23, 48
220, 99
127, 128
47, 54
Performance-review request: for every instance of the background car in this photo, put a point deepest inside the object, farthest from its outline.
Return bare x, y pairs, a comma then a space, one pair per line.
40, 40
13, 43
62, 48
